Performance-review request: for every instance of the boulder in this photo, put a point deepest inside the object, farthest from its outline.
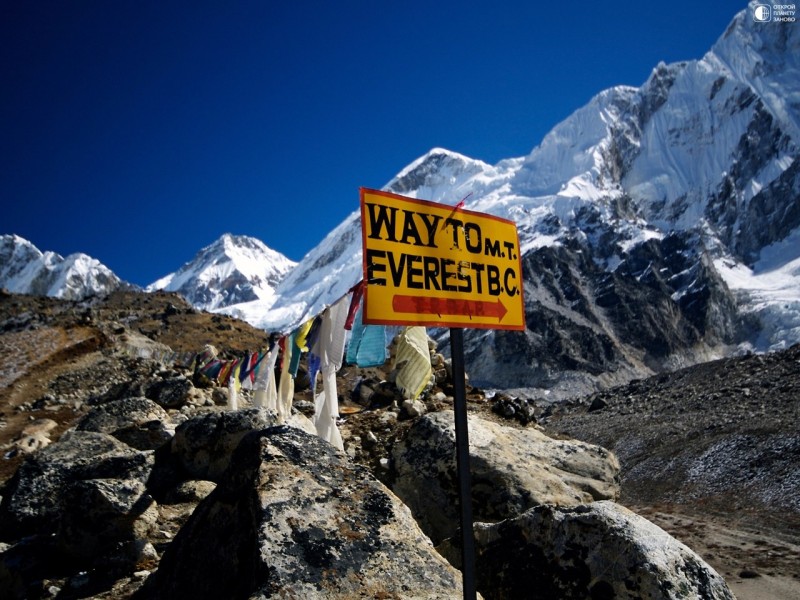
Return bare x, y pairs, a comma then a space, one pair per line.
510, 407
512, 470
172, 392
35, 436
193, 490
204, 444
411, 409
79, 505
294, 518
138, 422
300, 421
600, 550
101, 517
32, 499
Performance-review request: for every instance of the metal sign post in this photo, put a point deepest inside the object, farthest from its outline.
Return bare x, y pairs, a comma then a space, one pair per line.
434, 265
462, 463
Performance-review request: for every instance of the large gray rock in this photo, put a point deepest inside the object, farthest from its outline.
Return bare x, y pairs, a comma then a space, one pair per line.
598, 551
33, 499
203, 445
170, 393
100, 517
139, 422
512, 470
294, 518
79, 505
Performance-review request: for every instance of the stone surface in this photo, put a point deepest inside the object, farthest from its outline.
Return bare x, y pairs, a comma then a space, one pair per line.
193, 490
510, 407
598, 551
204, 444
81, 507
300, 421
138, 422
172, 392
296, 519
719, 440
35, 436
100, 516
724, 434
33, 500
512, 470
412, 409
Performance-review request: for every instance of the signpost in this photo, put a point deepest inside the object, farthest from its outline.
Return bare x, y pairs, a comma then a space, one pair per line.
434, 265
441, 266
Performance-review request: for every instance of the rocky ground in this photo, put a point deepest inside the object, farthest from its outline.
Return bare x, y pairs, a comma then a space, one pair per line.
710, 453
56, 356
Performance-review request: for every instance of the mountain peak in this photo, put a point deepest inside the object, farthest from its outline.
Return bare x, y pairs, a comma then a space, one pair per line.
24, 269
630, 213
765, 56
437, 154
434, 172
231, 270
227, 239
658, 226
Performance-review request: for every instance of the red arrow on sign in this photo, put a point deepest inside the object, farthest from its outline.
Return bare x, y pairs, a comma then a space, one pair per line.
425, 305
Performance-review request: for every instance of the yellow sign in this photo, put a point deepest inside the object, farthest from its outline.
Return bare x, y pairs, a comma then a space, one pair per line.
440, 266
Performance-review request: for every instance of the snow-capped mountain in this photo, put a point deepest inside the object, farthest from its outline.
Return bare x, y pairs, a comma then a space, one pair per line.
659, 224
234, 269
24, 269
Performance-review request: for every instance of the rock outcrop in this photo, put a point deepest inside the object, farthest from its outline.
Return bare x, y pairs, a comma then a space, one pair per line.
138, 422
79, 505
600, 551
512, 471
92, 514
204, 444
33, 500
296, 519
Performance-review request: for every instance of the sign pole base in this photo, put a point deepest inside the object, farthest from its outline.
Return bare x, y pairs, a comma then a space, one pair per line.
462, 463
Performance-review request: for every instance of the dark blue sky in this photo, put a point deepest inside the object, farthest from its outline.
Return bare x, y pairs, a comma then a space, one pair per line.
140, 131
